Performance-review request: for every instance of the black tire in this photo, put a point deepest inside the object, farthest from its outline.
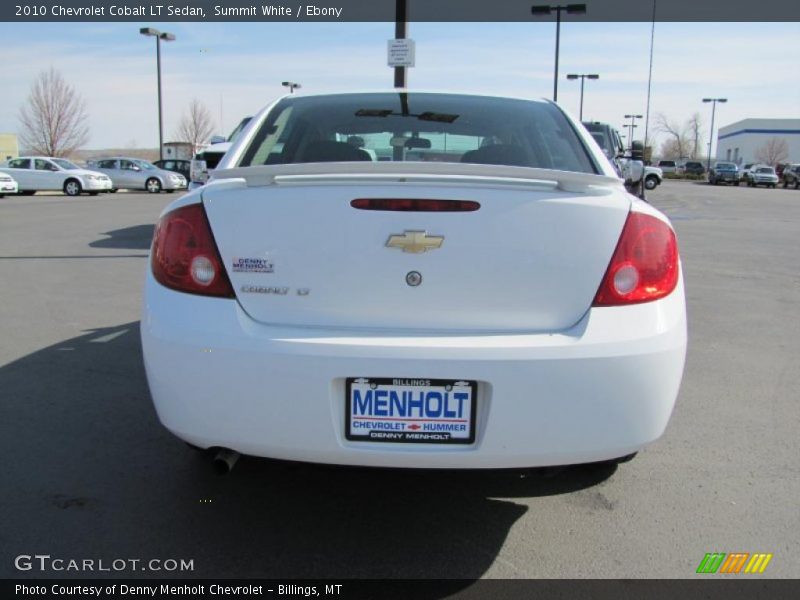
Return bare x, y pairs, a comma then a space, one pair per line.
113, 190
72, 187
736, 183
785, 183
651, 182
32, 192
153, 185
797, 184
93, 193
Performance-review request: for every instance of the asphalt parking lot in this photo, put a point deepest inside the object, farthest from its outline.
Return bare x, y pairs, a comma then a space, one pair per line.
90, 474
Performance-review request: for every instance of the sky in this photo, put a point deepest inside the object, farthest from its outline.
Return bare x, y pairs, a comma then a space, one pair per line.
237, 68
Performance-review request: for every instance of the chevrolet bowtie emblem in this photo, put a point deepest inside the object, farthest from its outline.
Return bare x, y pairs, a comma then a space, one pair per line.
415, 242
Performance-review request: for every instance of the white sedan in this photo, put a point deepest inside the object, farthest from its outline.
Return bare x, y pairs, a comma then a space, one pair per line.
485, 294
42, 174
8, 184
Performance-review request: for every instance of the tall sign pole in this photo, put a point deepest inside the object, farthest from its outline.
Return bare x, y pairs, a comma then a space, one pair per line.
400, 33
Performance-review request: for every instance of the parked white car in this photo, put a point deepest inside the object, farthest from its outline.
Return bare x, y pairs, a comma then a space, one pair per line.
42, 174
496, 300
138, 174
762, 175
8, 185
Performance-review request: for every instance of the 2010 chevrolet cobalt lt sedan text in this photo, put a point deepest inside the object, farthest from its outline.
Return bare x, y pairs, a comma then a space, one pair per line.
415, 280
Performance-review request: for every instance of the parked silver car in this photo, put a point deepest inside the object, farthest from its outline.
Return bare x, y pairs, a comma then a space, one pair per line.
137, 174
47, 174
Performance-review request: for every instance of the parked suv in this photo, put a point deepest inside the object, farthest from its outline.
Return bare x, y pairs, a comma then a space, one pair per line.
762, 175
694, 168
667, 166
725, 172
791, 175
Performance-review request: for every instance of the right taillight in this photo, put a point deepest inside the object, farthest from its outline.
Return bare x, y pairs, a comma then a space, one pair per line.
185, 256
644, 266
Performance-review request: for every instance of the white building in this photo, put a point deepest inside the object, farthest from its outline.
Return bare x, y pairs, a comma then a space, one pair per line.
739, 142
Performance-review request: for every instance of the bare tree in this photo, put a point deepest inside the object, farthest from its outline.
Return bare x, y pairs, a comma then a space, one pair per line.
773, 151
694, 126
53, 119
678, 144
196, 125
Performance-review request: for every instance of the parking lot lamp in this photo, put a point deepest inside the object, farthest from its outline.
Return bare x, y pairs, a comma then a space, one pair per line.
539, 10
582, 77
632, 126
291, 85
167, 37
711, 135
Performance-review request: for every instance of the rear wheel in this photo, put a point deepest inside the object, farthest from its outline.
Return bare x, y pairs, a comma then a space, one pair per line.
72, 187
32, 192
651, 182
736, 183
153, 185
93, 193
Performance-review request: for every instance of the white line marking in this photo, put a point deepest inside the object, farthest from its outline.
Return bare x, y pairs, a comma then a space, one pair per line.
107, 338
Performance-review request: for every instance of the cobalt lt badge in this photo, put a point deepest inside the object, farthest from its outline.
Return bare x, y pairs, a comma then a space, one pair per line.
414, 278
415, 242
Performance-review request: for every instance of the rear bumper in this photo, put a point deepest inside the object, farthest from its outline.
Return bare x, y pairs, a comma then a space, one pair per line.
603, 389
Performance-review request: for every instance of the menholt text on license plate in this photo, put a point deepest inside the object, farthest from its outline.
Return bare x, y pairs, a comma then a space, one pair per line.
429, 411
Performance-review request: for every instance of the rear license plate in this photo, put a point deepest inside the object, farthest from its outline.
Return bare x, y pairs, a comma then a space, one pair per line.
427, 411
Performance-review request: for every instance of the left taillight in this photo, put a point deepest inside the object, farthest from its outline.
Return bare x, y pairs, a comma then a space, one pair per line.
185, 256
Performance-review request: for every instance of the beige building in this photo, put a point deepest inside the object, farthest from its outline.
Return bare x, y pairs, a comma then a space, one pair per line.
9, 148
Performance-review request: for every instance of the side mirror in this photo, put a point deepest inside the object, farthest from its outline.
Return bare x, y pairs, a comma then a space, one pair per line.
217, 139
637, 151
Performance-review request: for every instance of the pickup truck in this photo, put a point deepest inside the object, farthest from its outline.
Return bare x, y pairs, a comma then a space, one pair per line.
725, 172
628, 169
209, 158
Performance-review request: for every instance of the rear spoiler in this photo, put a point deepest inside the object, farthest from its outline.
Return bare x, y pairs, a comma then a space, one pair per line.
348, 173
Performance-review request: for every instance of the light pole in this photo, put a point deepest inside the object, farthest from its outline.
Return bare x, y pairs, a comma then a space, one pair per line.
291, 85
711, 136
582, 77
539, 10
632, 117
167, 37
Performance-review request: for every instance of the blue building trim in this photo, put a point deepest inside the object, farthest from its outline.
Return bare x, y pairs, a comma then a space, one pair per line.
770, 131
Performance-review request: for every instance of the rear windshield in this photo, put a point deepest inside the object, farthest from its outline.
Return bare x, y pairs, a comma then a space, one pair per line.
418, 127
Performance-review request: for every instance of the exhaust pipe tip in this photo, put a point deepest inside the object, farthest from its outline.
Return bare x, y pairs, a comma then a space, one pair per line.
225, 460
